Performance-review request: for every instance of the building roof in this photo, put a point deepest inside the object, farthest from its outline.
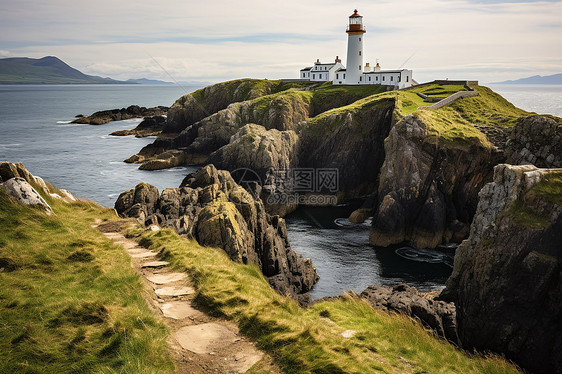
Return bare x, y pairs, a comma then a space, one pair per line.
337, 71
331, 63
384, 71
308, 68
355, 14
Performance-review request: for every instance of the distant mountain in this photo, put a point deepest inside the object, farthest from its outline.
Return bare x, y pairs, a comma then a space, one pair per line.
536, 79
147, 81
46, 70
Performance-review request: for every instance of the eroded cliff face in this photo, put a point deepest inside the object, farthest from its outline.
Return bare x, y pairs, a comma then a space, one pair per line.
428, 188
507, 277
536, 140
211, 208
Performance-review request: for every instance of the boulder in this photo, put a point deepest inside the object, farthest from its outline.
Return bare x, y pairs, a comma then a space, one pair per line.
24, 193
211, 208
507, 276
438, 316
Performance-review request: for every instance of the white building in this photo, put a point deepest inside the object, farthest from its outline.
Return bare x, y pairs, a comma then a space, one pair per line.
356, 73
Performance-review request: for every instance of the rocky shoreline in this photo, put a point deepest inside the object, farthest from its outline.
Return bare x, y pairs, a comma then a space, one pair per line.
133, 111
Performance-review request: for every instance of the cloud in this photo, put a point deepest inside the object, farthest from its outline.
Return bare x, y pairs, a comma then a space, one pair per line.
486, 40
5, 54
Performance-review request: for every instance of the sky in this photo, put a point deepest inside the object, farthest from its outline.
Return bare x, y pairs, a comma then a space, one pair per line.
212, 41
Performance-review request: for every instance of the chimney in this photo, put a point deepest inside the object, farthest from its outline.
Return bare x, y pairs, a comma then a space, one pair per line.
338, 59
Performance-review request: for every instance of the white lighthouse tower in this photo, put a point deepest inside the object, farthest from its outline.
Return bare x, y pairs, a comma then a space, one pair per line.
355, 31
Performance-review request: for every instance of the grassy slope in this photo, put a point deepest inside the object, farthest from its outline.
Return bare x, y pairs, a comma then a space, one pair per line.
310, 341
69, 299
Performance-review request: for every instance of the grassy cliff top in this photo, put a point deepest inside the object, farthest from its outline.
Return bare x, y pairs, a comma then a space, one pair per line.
310, 340
69, 298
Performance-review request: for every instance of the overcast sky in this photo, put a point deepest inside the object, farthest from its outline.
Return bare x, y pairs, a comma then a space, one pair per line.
220, 40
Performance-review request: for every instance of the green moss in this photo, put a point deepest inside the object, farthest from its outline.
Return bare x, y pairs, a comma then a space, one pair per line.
522, 214
68, 292
310, 340
550, 187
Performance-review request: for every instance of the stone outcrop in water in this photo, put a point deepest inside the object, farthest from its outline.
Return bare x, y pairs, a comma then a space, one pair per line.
507, 276
133, 111
211, 208
438, 316
536, 140
150, 126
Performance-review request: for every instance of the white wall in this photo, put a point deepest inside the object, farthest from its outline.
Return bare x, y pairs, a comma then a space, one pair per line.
354, 60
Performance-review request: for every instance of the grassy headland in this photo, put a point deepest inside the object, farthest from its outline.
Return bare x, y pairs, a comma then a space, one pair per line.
69, 299
310, 340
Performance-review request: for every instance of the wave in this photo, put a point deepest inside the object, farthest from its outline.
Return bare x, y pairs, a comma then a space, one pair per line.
8, 145
64, 122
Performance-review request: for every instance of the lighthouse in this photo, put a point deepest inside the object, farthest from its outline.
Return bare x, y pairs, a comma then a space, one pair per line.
355, 31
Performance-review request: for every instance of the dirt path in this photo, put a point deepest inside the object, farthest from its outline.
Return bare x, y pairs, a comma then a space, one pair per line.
198, 343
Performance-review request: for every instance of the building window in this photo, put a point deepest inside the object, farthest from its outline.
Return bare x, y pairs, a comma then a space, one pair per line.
369, 79
377, 78
360, 79
383, 78
391, 78
407, 78
359, 53
399, 79
337, 76
359, 39
359, 67
313, 76
344, 76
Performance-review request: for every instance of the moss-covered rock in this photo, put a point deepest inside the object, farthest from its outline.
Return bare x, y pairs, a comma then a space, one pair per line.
506, 279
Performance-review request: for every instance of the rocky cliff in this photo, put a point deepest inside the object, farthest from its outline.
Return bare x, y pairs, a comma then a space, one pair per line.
507, 277
536, 140
211, 208
429, 182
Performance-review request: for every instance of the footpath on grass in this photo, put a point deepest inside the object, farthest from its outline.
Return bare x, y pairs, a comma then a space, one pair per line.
198, 343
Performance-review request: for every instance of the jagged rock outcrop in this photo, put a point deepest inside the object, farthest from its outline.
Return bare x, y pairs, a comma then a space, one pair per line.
507, 277
256, 148
351, 141
436, 315
133, 111
535, 140
213, 209
150, 126
428, 188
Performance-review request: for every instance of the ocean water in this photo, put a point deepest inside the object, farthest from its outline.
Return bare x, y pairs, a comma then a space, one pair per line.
35, 129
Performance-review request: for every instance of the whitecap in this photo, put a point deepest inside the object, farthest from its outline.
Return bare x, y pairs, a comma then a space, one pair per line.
64, 122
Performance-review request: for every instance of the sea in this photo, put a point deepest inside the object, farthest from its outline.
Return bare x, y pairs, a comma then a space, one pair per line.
36, 129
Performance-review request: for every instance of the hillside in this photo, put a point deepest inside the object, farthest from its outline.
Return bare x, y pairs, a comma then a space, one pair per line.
46, 70
71, 302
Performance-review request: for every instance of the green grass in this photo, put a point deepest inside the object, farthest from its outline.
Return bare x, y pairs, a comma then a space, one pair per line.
550, 187
488, 108
449, 128
69, 299
437, 90
521, 211
309, 340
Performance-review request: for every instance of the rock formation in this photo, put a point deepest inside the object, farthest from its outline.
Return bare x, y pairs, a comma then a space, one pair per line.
507, 276
133, 111
23, 186
536, 140
438, 316
428, 188
150, 126
211, 208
